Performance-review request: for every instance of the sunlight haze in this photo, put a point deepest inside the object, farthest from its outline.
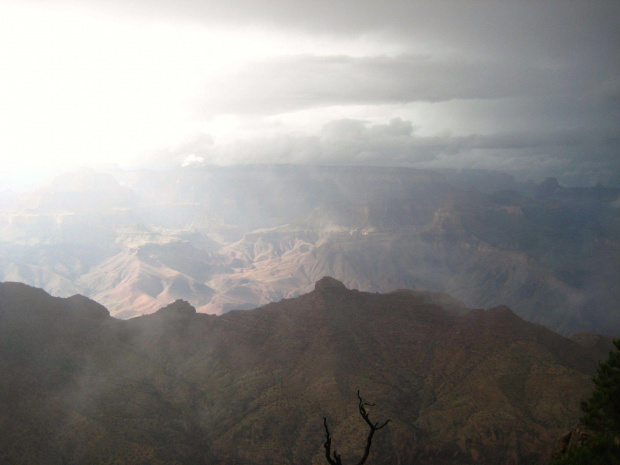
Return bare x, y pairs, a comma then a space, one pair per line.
152, 84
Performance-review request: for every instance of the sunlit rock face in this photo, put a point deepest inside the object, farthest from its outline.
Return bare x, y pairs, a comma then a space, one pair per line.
241, 237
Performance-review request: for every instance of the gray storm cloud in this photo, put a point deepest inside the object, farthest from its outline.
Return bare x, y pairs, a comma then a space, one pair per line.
531, 87
527, 155
293, 83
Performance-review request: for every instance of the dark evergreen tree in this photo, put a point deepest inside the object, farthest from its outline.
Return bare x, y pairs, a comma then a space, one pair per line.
602, 410
601, 419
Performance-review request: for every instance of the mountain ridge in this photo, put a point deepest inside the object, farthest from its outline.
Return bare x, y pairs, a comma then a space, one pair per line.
240, 237
178, 386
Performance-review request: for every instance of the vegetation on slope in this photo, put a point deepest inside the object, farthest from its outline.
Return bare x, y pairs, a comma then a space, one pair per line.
599, 441
179, 387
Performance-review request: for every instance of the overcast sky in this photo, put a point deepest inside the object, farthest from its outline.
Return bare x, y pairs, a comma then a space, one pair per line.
531, 88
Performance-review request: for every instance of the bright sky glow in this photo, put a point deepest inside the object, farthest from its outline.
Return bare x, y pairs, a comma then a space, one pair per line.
77, 88
105, 82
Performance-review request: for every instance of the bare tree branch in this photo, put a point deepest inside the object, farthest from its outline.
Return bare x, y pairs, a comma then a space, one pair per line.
336, 458
373, 426
328, 445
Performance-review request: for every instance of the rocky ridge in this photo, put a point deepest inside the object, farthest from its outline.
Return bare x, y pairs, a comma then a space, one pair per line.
180, 387
240, 237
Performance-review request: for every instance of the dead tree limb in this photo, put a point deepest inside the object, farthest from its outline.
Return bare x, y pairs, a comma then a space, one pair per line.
328, 447
373, 426
335, 458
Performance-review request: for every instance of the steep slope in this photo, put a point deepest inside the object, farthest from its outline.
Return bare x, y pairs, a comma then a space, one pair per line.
147, 274
553, 263
252, 387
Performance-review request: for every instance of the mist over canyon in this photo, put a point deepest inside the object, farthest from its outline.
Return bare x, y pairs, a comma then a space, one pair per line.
238, 237
220, 221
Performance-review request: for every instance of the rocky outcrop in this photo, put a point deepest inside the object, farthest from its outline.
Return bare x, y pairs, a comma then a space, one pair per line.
177, 309
329, 284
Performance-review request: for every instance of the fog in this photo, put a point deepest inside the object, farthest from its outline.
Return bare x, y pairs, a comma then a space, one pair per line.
241, 236
234, 153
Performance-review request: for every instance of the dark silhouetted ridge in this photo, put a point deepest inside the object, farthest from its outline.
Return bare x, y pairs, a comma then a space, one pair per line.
327, 283
177, 309
481, 387
85, 307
